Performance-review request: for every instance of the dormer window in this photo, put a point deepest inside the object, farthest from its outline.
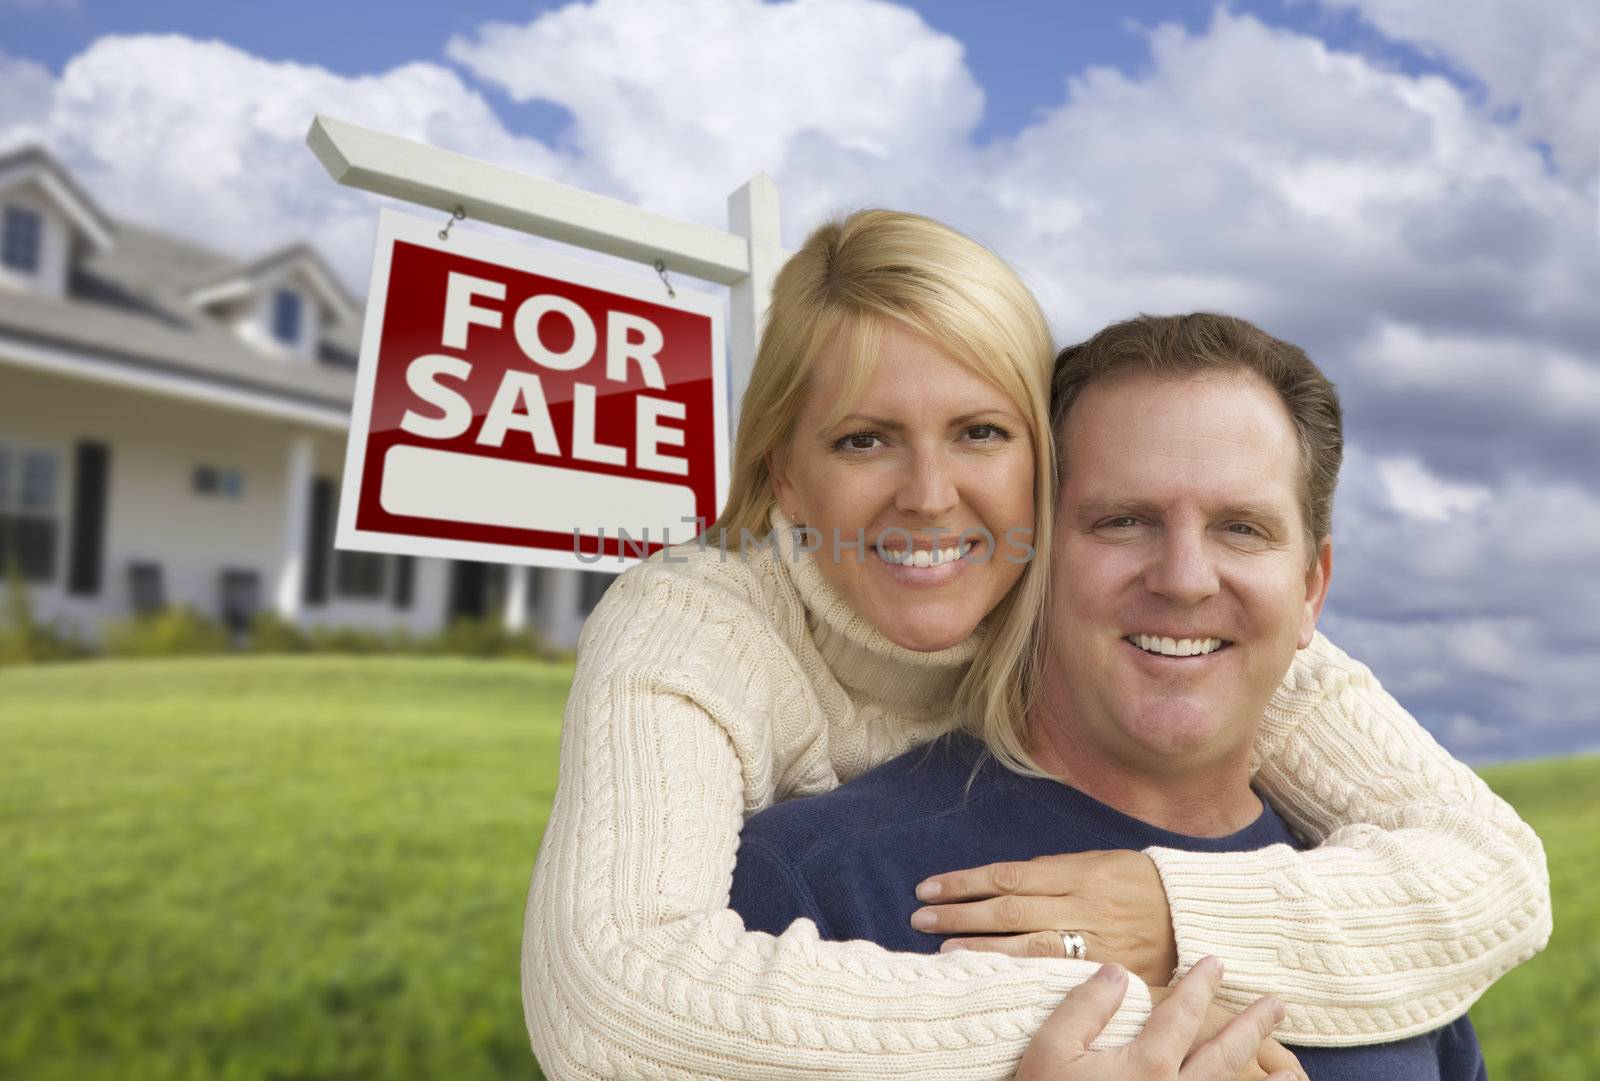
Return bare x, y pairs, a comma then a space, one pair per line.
286, 316
22, 231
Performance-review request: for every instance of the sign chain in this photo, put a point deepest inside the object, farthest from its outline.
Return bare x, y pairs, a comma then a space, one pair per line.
661, 269
459, 214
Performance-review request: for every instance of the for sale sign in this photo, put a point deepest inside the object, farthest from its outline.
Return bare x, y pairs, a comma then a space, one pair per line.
517, 406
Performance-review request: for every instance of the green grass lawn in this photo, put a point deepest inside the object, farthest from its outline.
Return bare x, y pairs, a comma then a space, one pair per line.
287, 869
270, 868
1542, 1021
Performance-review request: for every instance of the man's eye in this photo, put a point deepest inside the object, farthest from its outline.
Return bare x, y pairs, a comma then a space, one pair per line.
1244, 529
857, 441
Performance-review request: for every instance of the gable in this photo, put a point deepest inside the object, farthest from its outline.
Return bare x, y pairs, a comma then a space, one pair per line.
32, 172
297, 267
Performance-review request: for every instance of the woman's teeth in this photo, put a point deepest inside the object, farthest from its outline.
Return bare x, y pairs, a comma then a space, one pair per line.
1176, 647
925, 557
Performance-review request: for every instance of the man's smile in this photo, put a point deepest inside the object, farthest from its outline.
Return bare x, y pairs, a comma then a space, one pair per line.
1167, 646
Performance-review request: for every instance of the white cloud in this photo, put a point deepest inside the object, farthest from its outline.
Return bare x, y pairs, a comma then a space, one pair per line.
209, 141
1254, 169
25, 104
1469, 733
677, 119
1542, 58
1487, 610
1417, 493
1542, 380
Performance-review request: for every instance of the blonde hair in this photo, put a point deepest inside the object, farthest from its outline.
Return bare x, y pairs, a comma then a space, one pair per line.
852, 277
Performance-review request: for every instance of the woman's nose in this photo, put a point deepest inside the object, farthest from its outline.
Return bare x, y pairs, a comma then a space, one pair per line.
929, 490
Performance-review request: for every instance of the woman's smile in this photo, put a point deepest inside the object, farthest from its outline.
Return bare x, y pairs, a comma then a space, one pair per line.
928, 566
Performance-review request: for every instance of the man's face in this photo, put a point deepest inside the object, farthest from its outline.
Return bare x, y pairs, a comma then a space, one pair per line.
1181, 587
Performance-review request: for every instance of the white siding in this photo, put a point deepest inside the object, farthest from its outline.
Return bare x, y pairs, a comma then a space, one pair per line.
154, 514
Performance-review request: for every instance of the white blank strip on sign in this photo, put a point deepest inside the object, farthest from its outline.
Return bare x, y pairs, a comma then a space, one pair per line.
456, 487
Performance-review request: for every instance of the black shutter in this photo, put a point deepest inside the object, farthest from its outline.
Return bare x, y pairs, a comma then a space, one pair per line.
91, 482
404, 568
592, 587
319, 540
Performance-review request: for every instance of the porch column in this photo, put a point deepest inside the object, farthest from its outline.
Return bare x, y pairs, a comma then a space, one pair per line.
515, 616
560, 619
296, 520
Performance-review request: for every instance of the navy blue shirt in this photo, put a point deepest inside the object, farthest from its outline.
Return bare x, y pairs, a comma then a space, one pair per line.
849, 860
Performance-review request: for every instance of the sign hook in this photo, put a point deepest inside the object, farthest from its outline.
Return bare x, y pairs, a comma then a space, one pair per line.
459, 214
661, 269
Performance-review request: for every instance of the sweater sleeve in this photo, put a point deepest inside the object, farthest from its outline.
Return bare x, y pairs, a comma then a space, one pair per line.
632, 964
767, 894
1424, 888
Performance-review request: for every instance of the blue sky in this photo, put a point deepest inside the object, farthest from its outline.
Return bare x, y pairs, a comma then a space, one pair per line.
1408, 189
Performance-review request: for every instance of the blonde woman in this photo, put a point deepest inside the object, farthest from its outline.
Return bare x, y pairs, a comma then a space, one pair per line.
898, 411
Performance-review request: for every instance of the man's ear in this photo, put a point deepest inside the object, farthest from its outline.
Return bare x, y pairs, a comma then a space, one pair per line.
1317, 578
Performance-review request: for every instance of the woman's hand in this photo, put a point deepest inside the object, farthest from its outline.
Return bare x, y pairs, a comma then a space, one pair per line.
1060, 1051
1115, 900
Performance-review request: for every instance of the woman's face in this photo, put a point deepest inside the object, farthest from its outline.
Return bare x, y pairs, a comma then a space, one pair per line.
934, 467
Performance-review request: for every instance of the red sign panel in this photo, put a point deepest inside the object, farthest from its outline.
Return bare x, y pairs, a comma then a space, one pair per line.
517, 406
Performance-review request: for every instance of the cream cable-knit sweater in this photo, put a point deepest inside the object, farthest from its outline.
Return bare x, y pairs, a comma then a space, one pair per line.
709, 689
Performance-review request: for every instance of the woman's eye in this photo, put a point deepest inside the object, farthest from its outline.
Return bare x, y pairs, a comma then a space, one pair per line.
857, 441
1123, 521
987, 433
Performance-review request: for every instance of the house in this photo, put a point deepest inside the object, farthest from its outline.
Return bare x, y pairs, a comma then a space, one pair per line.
172, 431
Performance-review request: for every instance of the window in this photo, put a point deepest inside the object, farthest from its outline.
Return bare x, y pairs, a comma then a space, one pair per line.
29, 480
359, 575
286, 316
19, 246
37, 491
215, 480
147, 591
241, 598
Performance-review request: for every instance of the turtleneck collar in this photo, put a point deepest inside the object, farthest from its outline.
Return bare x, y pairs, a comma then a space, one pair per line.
865, 662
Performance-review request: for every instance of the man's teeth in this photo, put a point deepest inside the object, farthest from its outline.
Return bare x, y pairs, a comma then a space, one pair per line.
925, 557
1175, 647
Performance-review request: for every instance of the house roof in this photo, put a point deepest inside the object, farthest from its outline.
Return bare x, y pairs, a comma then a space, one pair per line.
241, 278
132, 303
33, 163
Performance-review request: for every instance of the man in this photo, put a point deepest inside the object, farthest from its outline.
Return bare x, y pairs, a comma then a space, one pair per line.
1191, 559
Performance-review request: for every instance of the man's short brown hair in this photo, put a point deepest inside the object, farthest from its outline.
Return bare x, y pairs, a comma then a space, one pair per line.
1181, 345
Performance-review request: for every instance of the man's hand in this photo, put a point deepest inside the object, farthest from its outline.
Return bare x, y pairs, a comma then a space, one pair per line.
1060, 1051
1270, 1058
1115, 900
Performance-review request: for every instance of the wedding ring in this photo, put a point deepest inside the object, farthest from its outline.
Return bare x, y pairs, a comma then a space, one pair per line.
1073, 946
